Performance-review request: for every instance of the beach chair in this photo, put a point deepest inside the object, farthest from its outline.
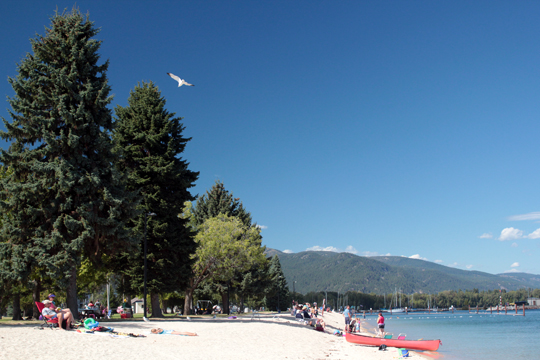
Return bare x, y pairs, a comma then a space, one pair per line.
402, 336
50, 323
255, 313
388, 336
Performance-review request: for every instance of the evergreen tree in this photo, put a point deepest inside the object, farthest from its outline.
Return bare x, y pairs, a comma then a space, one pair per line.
149, 139
254, 284
277, 294
225, 247
217, 201
64, 197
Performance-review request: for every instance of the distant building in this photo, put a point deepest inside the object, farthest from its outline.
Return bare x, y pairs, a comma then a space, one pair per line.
533, 301
137, 305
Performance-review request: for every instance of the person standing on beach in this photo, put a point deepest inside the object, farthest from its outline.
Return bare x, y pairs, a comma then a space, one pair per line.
380, 322
347, 315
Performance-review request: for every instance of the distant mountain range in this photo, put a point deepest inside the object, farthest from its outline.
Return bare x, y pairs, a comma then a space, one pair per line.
323, 270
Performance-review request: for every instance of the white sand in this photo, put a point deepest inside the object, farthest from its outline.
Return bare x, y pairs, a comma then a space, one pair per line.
268, 338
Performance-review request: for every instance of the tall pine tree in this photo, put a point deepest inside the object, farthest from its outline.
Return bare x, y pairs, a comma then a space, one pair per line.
277, 294
64, 197
219, 200
149, 140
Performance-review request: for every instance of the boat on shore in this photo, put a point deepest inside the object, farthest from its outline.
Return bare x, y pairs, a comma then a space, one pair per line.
424, 345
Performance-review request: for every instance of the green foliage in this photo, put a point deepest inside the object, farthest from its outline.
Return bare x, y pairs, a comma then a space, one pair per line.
219, 201
89, 277
254, 284
225, 246
148, 140
64, 198
277, 293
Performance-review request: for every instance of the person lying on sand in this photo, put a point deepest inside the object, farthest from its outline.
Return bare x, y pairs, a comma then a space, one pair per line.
159, 331
320, 325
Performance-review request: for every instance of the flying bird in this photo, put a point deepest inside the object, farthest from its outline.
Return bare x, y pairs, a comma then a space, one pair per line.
180, 81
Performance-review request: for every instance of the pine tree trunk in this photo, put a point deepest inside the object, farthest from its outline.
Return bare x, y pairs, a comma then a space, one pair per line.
156, 308
225, 300
188, 300
128, 298
16, 307
164, 306
72, 293
36, 296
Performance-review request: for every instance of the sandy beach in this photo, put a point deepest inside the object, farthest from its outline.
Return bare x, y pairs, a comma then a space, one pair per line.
270, 337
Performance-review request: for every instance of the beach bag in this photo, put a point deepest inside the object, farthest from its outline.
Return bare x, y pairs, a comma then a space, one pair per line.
403, 353
90, 323
382, 347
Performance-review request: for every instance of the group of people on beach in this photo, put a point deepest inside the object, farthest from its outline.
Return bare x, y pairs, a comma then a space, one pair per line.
350, 324
51, 311
309, 314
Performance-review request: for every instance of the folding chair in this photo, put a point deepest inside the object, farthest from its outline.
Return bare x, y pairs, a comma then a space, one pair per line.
50, 323
402, 336
255, 313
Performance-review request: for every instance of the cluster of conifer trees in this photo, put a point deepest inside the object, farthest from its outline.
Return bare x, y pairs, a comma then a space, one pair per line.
79, 182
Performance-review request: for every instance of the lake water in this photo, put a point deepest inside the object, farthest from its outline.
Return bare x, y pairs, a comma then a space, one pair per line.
467, 335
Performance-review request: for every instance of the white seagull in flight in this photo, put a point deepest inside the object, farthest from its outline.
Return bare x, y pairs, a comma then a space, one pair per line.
180, 81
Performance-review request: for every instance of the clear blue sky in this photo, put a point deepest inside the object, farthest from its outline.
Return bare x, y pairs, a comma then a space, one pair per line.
407, 128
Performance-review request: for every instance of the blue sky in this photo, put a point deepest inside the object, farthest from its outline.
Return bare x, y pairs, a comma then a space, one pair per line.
407, 128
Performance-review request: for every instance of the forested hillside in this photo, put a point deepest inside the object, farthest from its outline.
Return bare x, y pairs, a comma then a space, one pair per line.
322, 270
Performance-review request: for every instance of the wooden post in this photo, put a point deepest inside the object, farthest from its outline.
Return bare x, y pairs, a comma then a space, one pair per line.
504, 309
491, 309
516, 308
469, 309
477, 308
523, 309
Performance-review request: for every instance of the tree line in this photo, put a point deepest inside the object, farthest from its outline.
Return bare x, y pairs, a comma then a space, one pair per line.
85, 188
460, 299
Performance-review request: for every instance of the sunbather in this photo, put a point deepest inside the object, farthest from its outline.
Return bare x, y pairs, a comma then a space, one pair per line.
50, 313
51, 298
320, 325
159, 331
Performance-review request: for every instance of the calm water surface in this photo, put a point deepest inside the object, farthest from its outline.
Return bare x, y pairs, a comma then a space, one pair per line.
467, 335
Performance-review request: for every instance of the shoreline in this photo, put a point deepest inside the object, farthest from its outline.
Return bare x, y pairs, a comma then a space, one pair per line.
274, 336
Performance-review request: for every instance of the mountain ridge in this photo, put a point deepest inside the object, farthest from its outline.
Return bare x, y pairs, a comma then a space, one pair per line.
311, 271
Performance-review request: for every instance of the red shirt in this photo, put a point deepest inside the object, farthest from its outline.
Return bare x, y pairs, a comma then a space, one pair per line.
380, 320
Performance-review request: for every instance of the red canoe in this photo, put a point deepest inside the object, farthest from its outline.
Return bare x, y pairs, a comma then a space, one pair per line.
431, 345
